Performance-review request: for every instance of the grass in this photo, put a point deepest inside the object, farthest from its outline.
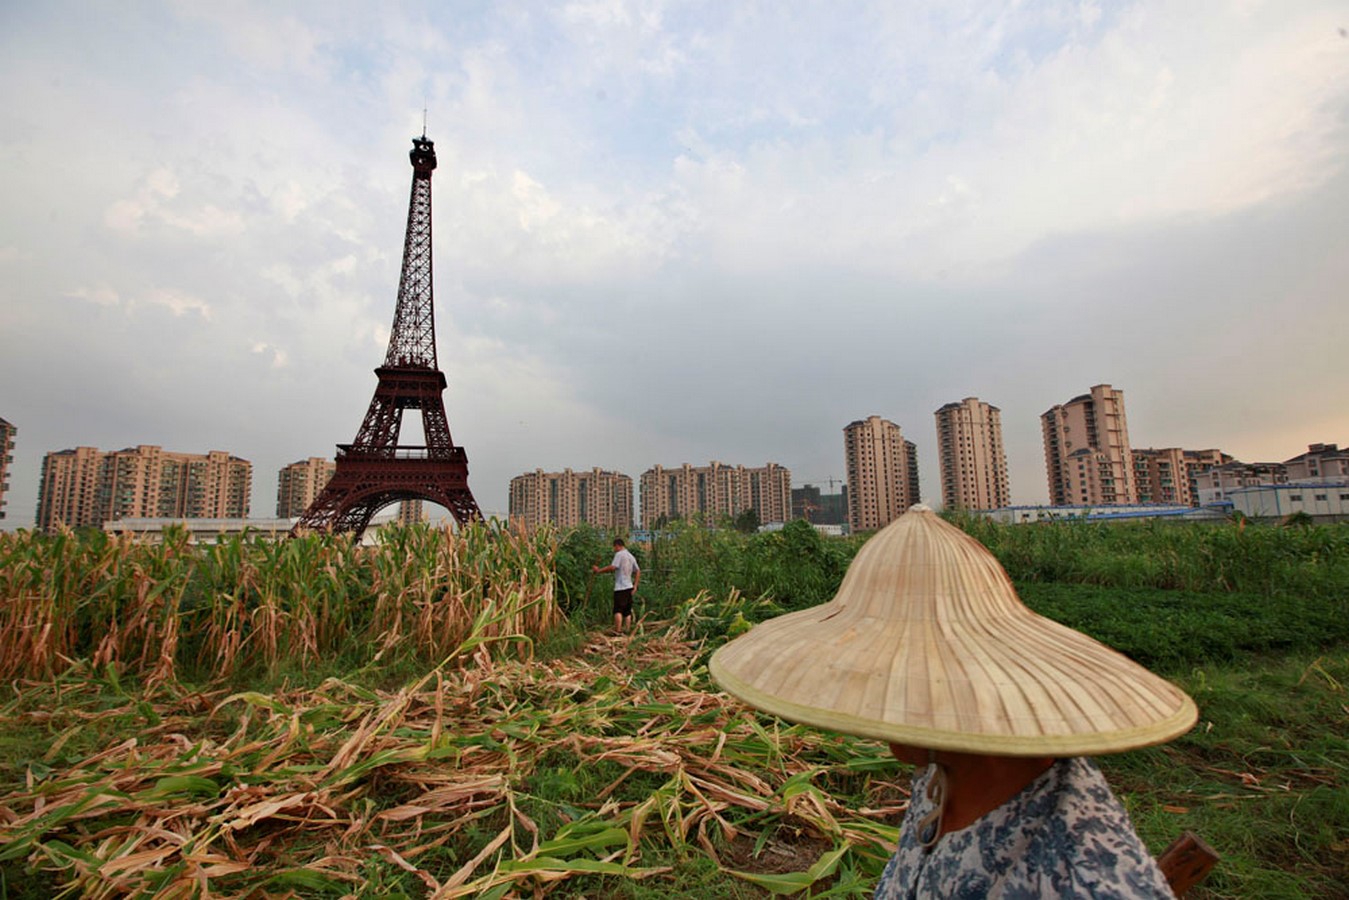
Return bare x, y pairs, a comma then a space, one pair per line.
1176, 629
355, 749
1309, 562
1262, 777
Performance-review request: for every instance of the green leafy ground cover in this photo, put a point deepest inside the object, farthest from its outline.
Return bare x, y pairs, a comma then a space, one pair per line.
611, 767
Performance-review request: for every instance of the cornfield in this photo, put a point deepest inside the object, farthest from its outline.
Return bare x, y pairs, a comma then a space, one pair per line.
102, 602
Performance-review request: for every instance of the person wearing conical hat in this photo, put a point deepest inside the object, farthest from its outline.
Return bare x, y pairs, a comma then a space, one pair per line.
927, 647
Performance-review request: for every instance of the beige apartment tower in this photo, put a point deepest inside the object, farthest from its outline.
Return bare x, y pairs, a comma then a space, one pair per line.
971, 456
1170, 475
714, 492
598, 497
411, 512
84, 487
67, 493
7, 432
1087, 456
882, 473
299, 483
1160, 475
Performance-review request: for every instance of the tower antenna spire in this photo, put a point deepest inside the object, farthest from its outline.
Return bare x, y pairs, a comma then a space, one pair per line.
423, 121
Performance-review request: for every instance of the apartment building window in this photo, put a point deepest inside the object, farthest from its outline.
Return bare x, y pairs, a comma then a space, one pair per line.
1294, 496
1319, 496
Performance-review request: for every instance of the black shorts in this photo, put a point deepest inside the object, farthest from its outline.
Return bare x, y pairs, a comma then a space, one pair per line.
623, 602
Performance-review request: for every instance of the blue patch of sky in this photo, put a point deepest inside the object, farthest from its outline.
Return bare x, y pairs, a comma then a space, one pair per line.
1038, 36
359, 61
146, 44
778, 100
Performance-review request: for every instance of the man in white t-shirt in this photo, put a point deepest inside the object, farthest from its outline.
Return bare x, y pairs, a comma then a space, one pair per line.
627, 575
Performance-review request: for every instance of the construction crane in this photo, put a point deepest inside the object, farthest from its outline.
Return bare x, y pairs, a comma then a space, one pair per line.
807, 507
830, 480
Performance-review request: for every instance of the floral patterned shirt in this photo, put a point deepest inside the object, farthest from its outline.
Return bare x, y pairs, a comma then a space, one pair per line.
1064, 835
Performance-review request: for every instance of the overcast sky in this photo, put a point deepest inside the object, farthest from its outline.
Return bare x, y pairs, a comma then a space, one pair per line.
673, 232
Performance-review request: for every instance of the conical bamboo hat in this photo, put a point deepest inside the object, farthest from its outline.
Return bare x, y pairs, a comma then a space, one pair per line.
927, 644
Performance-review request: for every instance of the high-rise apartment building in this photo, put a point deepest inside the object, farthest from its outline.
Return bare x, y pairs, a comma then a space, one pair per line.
598, 497
714, 492
1170, 475
86, 487
411, 512
7, 432
147, 481
1160, 475
882, 472
299, 483
68, 490
1087, 456
971, 456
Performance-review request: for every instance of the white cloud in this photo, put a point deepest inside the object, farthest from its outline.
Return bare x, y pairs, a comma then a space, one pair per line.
257, 37
279, 358
102, 295
290, 200
153, 203
179, 303
621, 36
515, 226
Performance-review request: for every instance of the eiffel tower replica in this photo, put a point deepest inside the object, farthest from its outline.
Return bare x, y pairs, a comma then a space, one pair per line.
375, 470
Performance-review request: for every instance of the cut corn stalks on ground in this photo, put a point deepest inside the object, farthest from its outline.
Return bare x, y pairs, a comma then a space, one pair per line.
479, 780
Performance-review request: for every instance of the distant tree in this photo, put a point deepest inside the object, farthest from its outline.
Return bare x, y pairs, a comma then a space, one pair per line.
747, 521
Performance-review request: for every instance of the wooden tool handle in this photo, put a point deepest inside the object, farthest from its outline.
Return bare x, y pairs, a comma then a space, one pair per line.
1186, 862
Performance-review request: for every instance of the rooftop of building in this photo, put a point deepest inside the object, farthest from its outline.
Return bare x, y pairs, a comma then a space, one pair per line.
1320, 451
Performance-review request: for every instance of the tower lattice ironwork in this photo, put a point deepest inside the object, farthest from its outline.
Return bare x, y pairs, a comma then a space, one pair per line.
375, 470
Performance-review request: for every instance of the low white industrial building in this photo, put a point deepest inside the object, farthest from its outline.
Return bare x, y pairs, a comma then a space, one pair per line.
1017, 515
213, 531
1324, 501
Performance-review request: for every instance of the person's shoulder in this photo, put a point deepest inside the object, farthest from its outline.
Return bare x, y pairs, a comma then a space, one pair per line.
1109, 860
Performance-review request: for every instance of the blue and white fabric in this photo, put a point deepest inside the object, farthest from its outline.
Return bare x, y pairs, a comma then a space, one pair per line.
1064, 835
